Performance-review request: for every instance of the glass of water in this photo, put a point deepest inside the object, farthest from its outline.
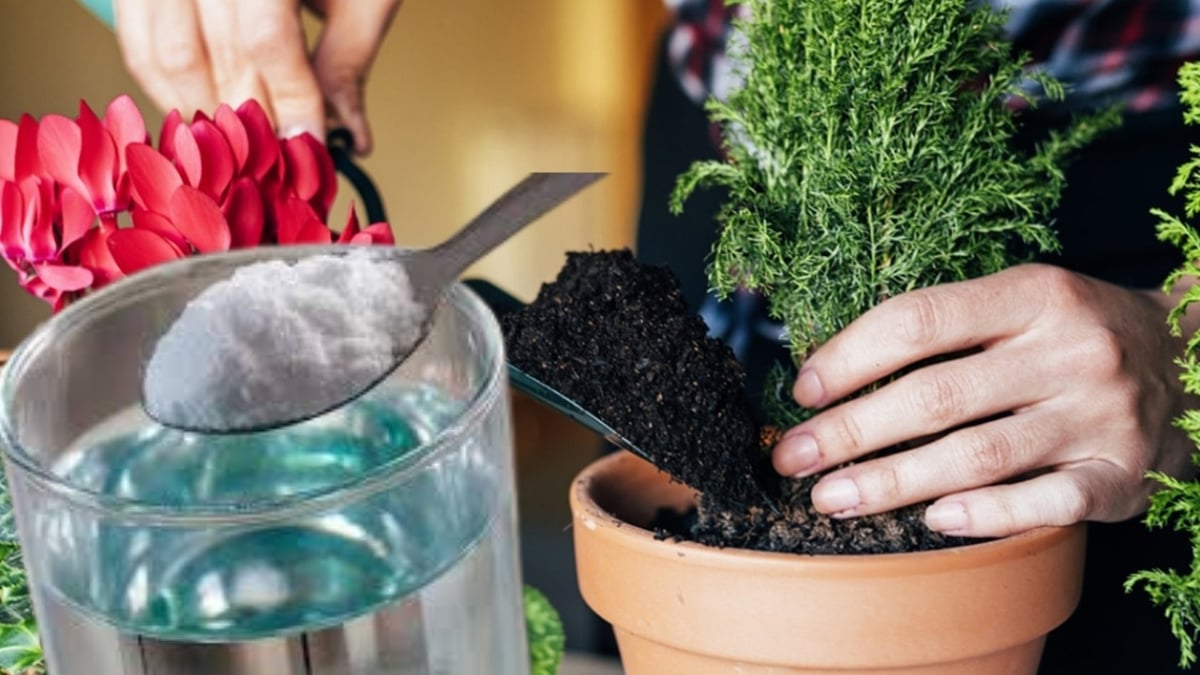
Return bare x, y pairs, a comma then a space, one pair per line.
377, 539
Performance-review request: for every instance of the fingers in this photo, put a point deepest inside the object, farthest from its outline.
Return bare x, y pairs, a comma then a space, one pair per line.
1063, 497
234, 76
909, 328
191, 55
984, 454
164, 50
349, 42
1056, 415
927, 401
273, 39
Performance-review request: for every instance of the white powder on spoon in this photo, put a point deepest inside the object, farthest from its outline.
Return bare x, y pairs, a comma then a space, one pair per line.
280, 341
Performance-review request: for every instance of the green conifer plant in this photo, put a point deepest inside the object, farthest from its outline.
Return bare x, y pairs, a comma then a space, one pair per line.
869, 151
1177, 505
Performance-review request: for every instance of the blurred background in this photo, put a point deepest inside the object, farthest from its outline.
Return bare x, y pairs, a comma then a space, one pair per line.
466, 98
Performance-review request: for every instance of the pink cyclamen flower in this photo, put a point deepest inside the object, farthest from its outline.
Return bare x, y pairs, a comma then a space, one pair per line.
235, 158
86, 201
87, 154
36, 229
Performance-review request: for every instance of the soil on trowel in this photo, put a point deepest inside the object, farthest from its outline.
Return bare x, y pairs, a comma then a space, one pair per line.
616, 336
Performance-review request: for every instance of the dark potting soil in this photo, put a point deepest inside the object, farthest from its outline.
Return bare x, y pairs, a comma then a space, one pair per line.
617, 336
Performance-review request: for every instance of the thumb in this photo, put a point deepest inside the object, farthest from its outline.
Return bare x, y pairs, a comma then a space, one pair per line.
349, 42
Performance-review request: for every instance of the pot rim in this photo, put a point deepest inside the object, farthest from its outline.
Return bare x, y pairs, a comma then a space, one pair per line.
587, 513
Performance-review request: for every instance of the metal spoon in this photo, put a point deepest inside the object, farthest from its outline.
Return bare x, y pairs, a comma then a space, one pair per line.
501, 302
549, 396
429, 272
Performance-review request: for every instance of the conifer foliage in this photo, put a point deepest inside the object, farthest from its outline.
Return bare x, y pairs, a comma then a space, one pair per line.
869, 152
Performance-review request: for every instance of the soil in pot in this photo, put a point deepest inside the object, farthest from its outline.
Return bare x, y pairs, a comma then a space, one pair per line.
617, 336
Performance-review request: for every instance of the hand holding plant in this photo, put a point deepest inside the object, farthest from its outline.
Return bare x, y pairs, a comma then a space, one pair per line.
1067, 384
870, 154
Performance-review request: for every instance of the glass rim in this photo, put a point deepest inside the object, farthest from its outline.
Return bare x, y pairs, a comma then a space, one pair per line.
375, 479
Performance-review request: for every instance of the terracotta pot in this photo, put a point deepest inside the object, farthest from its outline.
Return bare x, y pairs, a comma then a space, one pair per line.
982, 609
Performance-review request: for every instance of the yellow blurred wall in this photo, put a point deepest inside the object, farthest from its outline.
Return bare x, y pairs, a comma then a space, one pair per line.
467, 96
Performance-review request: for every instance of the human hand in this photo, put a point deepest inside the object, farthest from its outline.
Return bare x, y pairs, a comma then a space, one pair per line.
1062, 402
195, 54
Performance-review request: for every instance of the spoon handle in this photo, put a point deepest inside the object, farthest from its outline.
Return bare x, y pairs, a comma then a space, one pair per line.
524, 203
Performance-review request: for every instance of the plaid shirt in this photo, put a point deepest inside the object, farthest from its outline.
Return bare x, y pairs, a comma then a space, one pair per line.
1103, 50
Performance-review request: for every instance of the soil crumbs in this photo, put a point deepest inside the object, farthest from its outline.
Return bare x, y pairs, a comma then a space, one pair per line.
616, 336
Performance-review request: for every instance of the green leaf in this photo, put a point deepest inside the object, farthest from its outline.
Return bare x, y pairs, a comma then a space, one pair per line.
547, 641
20, 650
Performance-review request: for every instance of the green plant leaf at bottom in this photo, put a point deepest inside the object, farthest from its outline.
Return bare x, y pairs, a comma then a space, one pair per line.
547, 641
20, 650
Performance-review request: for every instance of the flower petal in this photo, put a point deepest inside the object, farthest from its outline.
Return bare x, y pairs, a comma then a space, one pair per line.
59, 144
310, 172
187, 156
38, 230
39, 289
166, 135
199, 219
60, 303
154, 177
93, 254
124, 185
8, 149
381, 233
64, 277
99, 165
231, 125
135, 249
12, 218
314, 232
352, 229
160, 225
26, 163
292, 217
264, 147
78, 216
243, 211
125, 124
216, 158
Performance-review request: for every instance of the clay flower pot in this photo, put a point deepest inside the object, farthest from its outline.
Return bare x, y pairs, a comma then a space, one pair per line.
983, 609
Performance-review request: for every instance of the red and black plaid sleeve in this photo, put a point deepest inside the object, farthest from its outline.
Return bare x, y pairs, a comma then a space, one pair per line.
1105, 51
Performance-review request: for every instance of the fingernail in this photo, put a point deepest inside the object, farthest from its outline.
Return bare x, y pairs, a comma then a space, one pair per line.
808, 390
836, 496
946, 517
800, 454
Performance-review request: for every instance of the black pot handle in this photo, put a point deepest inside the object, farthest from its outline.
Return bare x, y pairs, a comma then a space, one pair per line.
341, 148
